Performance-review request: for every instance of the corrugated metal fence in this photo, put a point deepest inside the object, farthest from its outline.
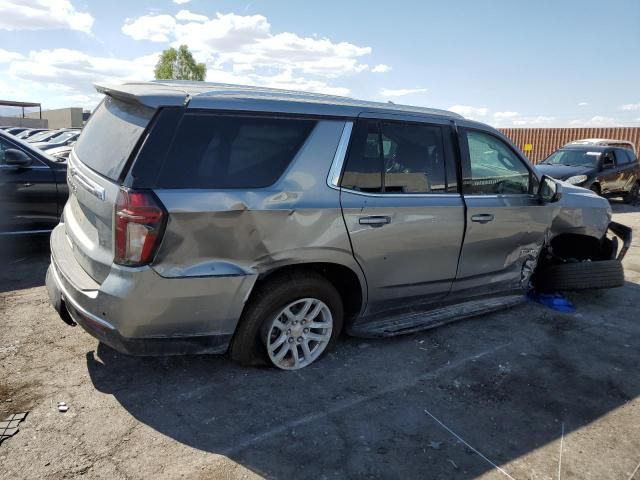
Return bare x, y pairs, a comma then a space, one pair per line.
544, 141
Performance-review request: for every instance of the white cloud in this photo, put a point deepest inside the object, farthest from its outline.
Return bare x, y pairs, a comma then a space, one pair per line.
42, 15
505, 115
469, 111
181, 2
7, 56
186, 15
597, 121
400, 92
630, 107
150, 27
245, 42
381, 68
583, 104
62, 76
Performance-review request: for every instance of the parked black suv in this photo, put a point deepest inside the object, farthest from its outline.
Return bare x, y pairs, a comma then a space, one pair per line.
33, 188
608, 171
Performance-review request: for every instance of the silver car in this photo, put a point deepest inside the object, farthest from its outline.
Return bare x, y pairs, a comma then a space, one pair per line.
207, 218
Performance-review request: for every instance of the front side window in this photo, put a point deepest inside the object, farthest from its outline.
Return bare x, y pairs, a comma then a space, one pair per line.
494, 169
394, 157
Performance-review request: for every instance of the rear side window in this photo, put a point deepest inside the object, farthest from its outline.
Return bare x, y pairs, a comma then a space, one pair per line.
218, 151
110, 136
394, 157
625, 156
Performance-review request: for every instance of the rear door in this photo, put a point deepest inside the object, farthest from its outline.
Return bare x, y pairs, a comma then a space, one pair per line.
505, 224
402, 210
94, 175
28, 195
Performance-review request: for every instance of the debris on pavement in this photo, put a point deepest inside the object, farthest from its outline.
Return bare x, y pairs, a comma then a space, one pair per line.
62, 407
9, 426
435, 445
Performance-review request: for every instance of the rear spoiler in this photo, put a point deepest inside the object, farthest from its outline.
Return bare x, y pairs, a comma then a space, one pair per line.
146, 94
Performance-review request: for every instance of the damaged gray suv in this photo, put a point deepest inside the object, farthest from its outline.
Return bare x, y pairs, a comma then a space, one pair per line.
207, 218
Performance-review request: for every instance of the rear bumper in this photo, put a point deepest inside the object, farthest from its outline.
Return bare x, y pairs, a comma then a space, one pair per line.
72, 313
136, 311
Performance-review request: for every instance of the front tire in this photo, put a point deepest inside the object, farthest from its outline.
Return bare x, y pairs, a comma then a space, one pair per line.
289, 322
581, 276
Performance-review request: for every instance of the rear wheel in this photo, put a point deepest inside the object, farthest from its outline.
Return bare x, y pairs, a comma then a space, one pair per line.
632, 195
580, 276
290, 321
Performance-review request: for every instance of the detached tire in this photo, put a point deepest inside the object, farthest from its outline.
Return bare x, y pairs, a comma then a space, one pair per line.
249, 344
581, 276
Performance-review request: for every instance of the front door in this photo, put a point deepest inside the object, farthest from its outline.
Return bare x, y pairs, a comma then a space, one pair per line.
402, 210
612, 173
505, 224
28, 196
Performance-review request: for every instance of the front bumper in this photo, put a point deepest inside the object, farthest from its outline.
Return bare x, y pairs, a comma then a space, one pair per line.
625, 234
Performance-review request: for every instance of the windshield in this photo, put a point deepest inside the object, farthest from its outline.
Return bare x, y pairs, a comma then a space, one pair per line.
41, 136
573, 158
62, 137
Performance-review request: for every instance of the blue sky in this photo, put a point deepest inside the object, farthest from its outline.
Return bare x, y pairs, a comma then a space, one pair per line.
508, 63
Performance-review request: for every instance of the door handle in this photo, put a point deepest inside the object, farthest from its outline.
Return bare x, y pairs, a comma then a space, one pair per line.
374, 221
482, 218
27, 185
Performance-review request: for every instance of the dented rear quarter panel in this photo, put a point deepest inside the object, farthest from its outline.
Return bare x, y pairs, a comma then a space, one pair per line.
251, 232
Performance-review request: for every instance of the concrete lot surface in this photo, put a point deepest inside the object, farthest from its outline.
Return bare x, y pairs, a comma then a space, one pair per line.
526, 393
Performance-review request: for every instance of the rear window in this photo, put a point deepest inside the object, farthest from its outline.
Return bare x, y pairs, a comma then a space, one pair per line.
224, 151
111, 135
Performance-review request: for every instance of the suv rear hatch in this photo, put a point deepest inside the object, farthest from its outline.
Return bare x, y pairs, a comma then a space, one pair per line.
95, 172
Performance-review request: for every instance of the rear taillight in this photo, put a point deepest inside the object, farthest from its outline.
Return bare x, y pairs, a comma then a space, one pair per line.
140, 221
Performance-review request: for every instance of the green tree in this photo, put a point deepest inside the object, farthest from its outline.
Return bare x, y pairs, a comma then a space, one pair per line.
179, 65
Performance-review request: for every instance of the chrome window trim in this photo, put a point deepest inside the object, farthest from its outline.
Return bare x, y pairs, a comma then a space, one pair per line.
402, 195
32, 167
500, 195
26, 232
333, 179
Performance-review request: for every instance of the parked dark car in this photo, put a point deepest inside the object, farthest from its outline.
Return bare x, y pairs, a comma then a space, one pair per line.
608, 171
33, 188
62, 140
16, 130
30, 132
44, 136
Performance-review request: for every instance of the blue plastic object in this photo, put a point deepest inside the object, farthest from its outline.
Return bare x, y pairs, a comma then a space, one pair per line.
554, 301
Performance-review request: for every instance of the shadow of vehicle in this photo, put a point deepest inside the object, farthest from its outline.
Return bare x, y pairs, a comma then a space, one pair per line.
25, 262
507, 384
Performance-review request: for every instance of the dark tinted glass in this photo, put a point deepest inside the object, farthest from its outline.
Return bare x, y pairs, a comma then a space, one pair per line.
393, 157
625, 155
217, 151
363, 170
413, 158
110, 136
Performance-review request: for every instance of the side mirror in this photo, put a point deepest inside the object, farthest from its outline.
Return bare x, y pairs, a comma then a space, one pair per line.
549, 191
16, 158
608, 164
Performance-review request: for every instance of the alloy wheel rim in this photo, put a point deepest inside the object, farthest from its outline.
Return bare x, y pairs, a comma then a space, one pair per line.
299, 333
